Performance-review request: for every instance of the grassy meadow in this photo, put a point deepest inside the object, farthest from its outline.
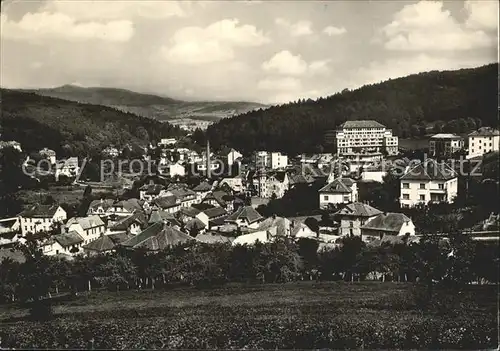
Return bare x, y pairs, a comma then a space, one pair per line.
293, 315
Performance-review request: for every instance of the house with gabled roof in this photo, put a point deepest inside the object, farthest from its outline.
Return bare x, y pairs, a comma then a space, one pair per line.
100, 207
132, 224
395, 224
68, 243
353, 216
185, 214
151, 190
187, 196
90, 228
164, 217
41, 218
213, 217
157, 237
340, 191
428, 181
106, 243
169, 204
245, 216
270, 183
219, 198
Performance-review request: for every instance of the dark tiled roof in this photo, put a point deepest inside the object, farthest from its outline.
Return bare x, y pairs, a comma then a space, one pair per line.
220, 196
301, 179
217, 221
203, 186
101, 244
215, 212
130, 204
247, 213
485, 131
166, 201
195, 223
68, 239
152, 189
121, 237
358, 209
158, 237
189, 211
161, 216
389, 222
125, 223
362, 124
337, 186
14, 255
105, 203
40, 211
430, 169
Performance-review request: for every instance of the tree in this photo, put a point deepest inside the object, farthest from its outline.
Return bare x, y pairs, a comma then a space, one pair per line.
116, 271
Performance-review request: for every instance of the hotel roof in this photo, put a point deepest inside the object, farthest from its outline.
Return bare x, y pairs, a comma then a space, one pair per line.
361, 124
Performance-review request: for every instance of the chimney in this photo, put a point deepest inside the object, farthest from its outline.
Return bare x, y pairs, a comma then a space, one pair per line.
208, 159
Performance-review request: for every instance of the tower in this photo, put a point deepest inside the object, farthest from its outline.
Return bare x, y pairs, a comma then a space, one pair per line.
209, 164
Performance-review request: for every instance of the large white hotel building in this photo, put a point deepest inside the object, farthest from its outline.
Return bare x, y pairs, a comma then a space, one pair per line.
365, 137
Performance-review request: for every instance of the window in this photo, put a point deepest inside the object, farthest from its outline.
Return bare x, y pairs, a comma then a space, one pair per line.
406, 186
406, 197
350, 232
346, 198
422, 197
441, 186
325, 197
351, 224
422, 186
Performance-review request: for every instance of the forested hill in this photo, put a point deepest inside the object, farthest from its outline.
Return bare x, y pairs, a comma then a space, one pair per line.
405, 104
71, 128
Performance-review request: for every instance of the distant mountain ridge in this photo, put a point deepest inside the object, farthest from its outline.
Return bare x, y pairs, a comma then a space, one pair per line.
73, 128
149, 105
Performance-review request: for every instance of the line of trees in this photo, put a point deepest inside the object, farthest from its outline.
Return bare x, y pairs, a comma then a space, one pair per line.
455, 261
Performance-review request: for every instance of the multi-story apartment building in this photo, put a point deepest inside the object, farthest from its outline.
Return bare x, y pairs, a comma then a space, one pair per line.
41, 218
273, 160
429, 181
482, 141
445, 145
365, 137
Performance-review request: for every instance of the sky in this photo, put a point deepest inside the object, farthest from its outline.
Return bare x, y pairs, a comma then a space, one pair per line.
262, 51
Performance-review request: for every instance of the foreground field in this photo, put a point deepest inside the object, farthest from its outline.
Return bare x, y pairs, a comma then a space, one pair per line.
298, 315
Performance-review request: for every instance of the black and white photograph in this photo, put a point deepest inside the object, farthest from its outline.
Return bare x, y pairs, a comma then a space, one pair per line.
249, 175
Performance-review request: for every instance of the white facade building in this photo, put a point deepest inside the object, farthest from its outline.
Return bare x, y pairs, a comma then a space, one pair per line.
445, 145
278, 160
68, 168
426, 182
40, 218
365, 137
340, 191
482, 141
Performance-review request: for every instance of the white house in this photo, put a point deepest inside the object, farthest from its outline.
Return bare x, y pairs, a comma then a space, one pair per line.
353, 216
40, 218
68, 168
441, 145
231, 155
211, 214
235, 183
176, 169
429, 181
482, 141
245, 217
278, 160
268, 183
340, 191
66, 243
89, 228
396, 224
